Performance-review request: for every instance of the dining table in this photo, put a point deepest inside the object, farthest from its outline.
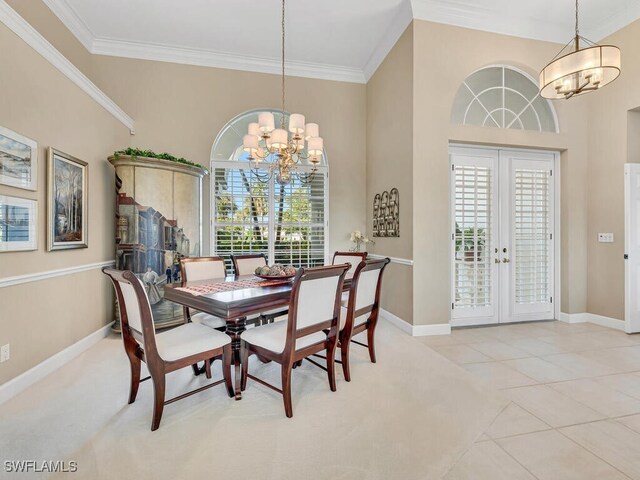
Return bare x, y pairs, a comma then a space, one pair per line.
234, 299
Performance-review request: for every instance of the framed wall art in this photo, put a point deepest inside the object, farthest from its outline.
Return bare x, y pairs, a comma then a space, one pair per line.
386, 214
67, 205
18, 160
18, 224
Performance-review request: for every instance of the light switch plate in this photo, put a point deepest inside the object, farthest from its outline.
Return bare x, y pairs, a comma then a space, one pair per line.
5, 353
605, 237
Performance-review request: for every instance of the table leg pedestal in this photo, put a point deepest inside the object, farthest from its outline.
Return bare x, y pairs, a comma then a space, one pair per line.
234, 330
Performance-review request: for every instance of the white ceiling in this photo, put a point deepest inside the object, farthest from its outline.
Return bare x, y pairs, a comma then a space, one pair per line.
330, 39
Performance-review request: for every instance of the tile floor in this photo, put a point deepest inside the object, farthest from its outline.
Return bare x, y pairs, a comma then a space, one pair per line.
574, 392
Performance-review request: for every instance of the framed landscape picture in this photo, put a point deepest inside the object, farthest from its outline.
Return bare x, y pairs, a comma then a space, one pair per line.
18, 160
18, 224
67, 206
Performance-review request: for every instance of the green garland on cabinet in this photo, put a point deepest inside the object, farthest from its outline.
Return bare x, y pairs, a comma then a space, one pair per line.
136, 152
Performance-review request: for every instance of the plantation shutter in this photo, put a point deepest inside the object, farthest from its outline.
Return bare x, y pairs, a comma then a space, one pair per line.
241, 224
286, 222
299, 222
473, 187
532, 228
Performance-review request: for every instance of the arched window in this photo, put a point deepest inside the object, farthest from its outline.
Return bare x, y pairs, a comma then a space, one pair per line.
286, 222
503, 97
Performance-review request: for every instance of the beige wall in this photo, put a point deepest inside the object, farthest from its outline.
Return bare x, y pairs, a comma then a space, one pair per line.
181, 108
443, 57
177, 108
390, 164
41, 318
609, 127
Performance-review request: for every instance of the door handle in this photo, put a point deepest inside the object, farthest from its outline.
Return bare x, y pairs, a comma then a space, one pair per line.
505, 260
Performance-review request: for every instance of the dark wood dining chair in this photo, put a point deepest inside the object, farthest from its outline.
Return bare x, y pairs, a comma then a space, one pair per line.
361, 312
352, 258
202, 268
312, 327
246, 265
167, 351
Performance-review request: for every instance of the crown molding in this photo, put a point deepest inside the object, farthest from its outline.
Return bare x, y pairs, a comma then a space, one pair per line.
208, 58
468, 14
615, 22
400, 22
189, 56
461, 13
31, 37
74, 23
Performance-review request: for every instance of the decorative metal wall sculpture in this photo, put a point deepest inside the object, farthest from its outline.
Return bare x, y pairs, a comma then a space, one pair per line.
386, 214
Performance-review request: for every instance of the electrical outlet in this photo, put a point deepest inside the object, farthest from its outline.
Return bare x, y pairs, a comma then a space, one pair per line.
5, 353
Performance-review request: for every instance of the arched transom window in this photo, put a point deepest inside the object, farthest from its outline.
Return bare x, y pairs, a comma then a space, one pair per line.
503, 97
286, 222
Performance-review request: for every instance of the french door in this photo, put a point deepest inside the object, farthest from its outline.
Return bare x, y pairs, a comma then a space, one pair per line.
502, 236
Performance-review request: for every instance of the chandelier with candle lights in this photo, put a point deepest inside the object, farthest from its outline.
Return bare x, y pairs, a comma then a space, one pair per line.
584, 69
279, 152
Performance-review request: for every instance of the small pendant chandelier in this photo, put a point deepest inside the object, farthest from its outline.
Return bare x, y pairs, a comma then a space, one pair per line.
583, 70
278, 152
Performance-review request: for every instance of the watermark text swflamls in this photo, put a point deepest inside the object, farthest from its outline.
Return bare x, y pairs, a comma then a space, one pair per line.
40, 466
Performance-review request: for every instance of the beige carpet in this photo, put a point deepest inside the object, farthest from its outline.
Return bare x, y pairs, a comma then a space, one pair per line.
410, 416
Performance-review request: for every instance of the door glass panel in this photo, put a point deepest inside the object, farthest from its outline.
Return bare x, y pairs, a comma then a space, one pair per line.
532, 230
472, 236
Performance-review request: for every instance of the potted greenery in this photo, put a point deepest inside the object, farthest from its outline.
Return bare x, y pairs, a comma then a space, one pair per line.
139, 153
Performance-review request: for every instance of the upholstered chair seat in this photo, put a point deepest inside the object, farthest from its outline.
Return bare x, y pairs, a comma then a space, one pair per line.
189, 339
209, 321
273, 337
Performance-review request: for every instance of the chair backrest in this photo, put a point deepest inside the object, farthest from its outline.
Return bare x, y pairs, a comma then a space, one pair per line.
364, 293
315, 302
136, 317
202, 268
354, 258
247, 264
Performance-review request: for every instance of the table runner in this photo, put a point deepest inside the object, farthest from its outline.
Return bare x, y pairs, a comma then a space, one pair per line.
217, 287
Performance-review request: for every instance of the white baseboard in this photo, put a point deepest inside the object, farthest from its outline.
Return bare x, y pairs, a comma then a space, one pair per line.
396, 321
573, 317
23, 381
435, 329
592, 318
606, 321
416, 330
